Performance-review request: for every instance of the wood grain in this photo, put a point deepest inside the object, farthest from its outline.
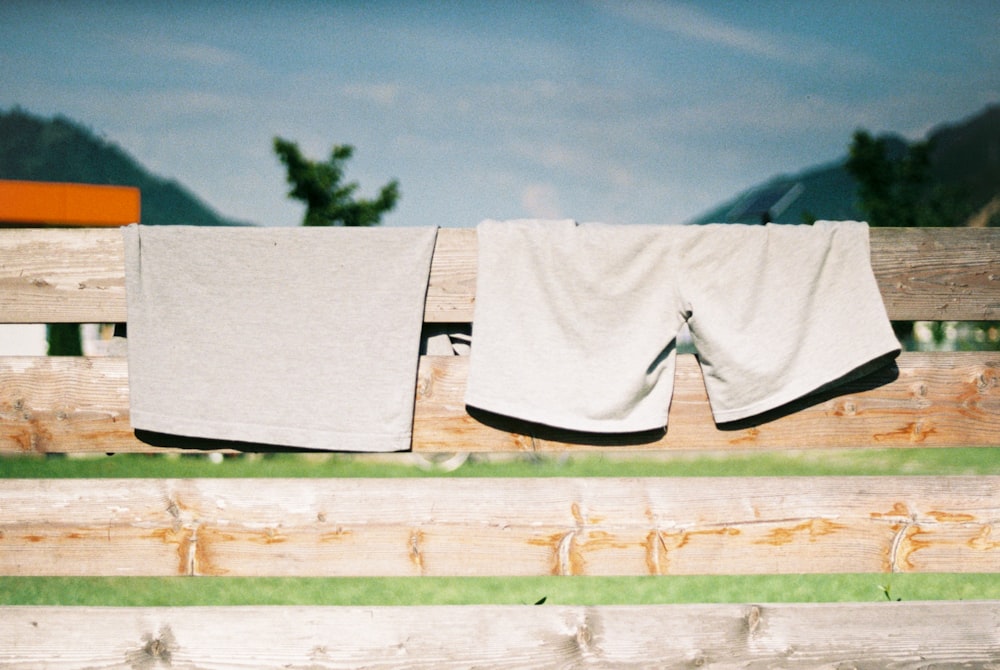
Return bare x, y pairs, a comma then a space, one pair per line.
54, 275
863, 635
500, 527
48, 276
66, 405
938, 274
930, 399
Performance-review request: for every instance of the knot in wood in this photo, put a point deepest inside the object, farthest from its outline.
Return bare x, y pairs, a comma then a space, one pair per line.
158, 649
156, 652
753, 619
583, 636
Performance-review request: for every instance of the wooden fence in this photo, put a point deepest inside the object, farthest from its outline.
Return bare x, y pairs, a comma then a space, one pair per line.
213, 528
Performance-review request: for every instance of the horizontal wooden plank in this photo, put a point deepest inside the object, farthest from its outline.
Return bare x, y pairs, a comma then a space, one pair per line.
926, 400
807, 635
53, 276
938, 274
78, 275
533, 526
65, 405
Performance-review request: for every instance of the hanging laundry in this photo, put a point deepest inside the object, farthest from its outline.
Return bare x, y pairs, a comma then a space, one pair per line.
576, 324
302, 337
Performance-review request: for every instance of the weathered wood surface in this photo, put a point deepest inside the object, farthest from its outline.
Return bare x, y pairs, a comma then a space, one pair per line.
58, 405
937, 399
51, 275
54, 275
499, 527
864, 635
938, 274
64, 405
57, 275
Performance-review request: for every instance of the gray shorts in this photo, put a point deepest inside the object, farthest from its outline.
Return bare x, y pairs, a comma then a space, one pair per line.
575, 325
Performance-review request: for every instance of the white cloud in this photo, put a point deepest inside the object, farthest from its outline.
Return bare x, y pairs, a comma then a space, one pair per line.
689, 22
692, 23
192, 53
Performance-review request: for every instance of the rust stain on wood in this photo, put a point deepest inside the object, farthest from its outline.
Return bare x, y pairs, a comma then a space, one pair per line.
194, 548
33, 436
813, 529
950, 517
749, 437
983, 542
659, 544
910, 543
683, 537
914, 432
181, 537
336, 535
571, 549
567, 558
597, 540
415, 543
889, 552
272, 536
582, 517
899, 510
203, 561
657, 561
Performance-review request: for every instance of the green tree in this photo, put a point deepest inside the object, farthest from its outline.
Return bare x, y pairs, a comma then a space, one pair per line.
891, 189
64, 339
329, 201
896, 187
898, 190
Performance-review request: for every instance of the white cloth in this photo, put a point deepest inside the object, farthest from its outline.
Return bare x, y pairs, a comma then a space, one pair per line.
575, 325
302, 337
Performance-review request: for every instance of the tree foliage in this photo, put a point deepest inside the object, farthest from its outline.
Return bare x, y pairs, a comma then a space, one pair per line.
64, 339
329, 201
896, 188
895, 184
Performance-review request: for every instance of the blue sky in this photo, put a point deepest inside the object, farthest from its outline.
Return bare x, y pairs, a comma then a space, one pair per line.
624, 112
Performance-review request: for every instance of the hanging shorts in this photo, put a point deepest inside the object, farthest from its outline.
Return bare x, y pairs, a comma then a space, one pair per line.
575, 325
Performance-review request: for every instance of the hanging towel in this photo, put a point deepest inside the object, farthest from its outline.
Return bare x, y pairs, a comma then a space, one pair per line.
300, 337
575, 325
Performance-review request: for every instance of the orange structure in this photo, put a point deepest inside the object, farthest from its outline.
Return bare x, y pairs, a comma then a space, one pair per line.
33, 203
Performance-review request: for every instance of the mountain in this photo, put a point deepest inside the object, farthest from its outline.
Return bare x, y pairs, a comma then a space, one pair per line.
967, 156
965, 160
58, 149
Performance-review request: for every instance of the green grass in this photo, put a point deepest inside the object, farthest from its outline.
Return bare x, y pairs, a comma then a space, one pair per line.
181, 591
846, 462
151, 591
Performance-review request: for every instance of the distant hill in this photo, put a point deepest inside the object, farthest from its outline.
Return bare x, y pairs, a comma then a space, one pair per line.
58, 149
965, 158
